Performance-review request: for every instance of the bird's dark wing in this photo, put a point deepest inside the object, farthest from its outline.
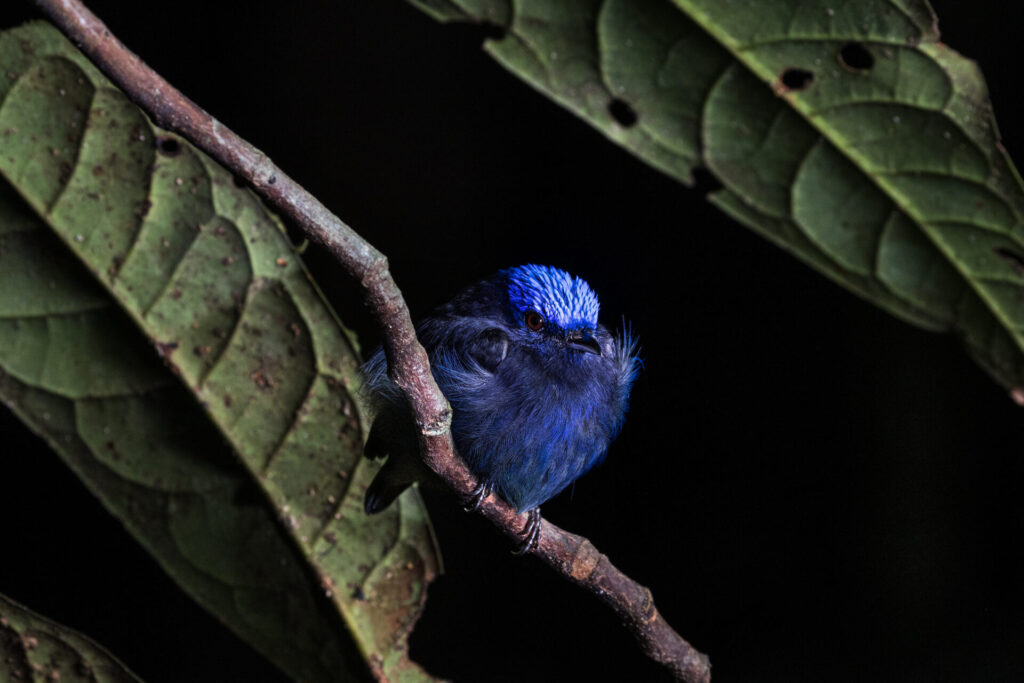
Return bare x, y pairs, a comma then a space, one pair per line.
488, 348
462, 341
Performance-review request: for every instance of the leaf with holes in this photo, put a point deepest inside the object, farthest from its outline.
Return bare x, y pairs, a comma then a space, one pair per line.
125, 238
33, 648
846, 133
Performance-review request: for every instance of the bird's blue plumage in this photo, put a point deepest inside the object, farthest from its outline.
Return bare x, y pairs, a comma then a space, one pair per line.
538, 387
561, 298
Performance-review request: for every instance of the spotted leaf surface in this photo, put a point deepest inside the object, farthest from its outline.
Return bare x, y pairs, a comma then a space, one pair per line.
158, 330
33, 648
844, 132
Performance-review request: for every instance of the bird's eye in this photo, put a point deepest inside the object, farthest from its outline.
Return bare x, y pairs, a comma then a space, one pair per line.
534, 320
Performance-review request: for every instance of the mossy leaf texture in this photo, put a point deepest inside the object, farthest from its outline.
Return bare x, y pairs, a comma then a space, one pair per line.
33, 648
158, 330
844, 132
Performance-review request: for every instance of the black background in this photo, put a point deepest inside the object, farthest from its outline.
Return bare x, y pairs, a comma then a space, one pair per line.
814, 491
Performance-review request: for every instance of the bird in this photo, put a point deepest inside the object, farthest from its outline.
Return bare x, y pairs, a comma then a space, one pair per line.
538, 388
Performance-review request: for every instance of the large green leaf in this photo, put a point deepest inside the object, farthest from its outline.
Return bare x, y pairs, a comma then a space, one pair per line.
255, 365
33, 648
844, 132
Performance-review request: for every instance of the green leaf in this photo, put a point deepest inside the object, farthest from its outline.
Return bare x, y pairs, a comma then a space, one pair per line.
236, 462
33, 648
846, 133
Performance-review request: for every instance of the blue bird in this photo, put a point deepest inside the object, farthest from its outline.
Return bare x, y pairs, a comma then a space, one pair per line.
538, 388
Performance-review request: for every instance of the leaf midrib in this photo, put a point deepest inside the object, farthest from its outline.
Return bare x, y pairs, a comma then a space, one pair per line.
364, 645
828, 133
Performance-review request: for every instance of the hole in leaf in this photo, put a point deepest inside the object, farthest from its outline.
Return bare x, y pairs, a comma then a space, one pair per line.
795, 79
477, 33
623, 114
705, 182
856, 57
492, 31
1015, 260
168, 146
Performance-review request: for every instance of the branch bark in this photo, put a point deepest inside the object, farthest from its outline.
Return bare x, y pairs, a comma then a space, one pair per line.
570, 555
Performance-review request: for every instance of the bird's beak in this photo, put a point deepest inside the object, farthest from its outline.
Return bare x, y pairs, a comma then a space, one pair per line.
583, 341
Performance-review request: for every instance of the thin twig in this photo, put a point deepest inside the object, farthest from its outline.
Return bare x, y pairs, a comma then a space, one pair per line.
572, 556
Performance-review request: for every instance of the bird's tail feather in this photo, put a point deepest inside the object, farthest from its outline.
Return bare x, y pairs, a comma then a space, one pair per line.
384, 489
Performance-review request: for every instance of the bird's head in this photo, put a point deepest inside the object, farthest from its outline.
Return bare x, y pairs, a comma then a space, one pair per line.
550, 306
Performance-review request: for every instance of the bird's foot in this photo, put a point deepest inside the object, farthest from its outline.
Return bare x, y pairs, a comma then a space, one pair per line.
476, 497
530, 533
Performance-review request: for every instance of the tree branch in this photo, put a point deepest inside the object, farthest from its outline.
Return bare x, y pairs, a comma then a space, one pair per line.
570, 555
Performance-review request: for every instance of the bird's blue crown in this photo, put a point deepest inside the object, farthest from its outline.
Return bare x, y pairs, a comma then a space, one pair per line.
564, 300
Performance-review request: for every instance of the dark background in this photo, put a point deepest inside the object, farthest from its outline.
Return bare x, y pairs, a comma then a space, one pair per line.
814, 490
